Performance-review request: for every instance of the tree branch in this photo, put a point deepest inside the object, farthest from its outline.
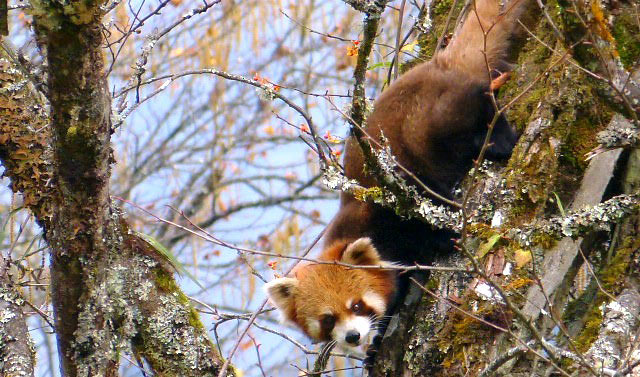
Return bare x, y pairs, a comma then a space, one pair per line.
109, 290
16, 345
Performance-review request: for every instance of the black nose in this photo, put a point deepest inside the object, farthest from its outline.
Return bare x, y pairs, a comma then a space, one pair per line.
352, 337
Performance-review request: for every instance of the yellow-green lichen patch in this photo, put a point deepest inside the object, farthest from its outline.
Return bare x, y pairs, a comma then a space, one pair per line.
373, 194
53, 15
517, 284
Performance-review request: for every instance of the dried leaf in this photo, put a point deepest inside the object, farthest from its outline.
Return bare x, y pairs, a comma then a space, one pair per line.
522, 257
410, 47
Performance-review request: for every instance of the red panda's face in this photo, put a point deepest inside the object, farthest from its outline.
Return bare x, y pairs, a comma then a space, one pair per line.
332, 302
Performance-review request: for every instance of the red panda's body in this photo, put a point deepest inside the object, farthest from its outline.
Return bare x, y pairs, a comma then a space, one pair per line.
435, 119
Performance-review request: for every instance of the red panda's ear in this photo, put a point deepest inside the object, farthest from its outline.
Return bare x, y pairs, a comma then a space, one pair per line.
280, 292
361, 252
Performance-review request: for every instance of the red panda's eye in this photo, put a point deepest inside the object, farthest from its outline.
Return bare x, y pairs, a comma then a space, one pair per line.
327, 322
358, 307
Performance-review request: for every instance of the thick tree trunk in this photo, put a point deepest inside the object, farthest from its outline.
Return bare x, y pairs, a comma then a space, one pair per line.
109, 290
455, 330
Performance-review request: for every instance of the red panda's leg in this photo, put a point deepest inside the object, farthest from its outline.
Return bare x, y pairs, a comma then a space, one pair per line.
503, 140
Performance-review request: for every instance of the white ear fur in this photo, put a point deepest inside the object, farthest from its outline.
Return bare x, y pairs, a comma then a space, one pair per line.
361, 252
280, 292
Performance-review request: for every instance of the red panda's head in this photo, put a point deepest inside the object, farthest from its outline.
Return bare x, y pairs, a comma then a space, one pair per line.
333, 302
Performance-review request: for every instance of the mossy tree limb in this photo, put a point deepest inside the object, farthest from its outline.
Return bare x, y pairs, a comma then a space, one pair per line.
559, 117
80, 239
109, 291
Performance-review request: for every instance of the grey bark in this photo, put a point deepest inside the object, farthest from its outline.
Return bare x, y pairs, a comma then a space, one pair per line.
17, 355
110, 291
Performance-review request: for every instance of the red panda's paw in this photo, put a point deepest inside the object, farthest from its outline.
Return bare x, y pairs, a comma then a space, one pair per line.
372, 352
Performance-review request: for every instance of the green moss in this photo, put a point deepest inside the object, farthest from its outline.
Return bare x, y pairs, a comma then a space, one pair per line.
609, 278
578, 308
194, 319
167, 284
520, 113
462, 340
543, 240
165, 281
568, 111
531, 176
627, 36
432, 284
442, 7
590, 331
440, 12
579, 141
590, 118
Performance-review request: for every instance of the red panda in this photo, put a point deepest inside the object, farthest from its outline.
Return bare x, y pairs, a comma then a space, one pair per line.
332, 302
435, 119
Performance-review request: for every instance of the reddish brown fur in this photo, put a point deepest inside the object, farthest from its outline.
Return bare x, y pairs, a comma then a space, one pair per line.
325, 288
435, 119
328, 287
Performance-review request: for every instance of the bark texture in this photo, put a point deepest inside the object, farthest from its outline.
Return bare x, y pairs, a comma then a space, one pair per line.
109, 291
17, 353
560, 309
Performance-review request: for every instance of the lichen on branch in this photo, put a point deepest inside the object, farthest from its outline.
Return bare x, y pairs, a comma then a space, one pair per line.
16, 346
53, 14
25, 149
370, 7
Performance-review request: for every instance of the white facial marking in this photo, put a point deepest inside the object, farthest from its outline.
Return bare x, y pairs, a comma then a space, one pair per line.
358, 323
375, 302
349, 302
313, 326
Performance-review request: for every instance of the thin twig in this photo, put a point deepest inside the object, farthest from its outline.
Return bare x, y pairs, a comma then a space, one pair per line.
223, 370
